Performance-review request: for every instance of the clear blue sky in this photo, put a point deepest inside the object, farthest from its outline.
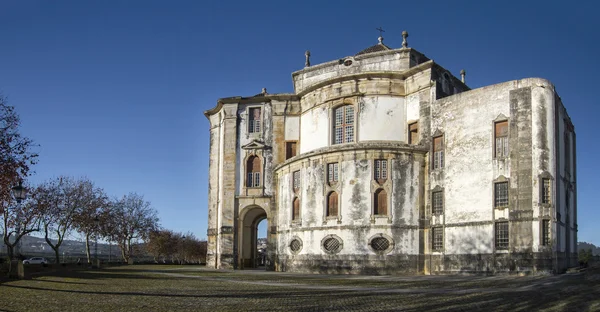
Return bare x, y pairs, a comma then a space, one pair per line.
116, 90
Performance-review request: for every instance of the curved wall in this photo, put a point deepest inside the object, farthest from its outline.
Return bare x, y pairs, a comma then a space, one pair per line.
356, 223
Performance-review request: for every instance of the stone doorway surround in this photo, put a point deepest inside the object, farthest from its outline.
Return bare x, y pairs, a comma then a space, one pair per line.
249, 219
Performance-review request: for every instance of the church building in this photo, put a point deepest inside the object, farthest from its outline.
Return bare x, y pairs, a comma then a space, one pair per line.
384, 162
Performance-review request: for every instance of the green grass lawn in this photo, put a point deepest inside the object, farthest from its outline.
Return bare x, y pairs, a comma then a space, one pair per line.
191, 288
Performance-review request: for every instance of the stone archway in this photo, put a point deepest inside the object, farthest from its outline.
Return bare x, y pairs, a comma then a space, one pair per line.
249, 221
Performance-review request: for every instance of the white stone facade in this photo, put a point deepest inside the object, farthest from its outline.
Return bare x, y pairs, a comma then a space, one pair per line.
386, 163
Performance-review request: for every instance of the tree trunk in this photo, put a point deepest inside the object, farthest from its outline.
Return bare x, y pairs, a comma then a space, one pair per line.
10, 250
87, 248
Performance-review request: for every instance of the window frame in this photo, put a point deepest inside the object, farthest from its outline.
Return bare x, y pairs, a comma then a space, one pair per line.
413, 128
545, 236
346, 128
437, 238
501, 140
328, 213
435, 209
296, 209
333, 173
500, 203
253, 178
546, 191
377, 203
380, 170
296, 183
288, 144
501, 242
254, 125
438, 156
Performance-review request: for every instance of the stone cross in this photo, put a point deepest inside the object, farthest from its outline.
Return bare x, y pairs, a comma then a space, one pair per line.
381, 31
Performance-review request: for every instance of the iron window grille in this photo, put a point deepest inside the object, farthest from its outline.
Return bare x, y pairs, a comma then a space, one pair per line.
501, 237
437, 203
501, 194
437, 242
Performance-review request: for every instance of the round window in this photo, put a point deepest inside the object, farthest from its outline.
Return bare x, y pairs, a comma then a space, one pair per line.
332, 244
295, 245
381, 243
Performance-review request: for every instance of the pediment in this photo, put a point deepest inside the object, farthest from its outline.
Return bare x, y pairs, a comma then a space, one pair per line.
254, 145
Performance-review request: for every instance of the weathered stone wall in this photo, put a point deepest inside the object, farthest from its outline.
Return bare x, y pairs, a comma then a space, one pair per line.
395, 60
356, 223
467, 122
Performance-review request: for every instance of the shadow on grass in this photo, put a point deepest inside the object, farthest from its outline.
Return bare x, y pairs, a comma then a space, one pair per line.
333, 299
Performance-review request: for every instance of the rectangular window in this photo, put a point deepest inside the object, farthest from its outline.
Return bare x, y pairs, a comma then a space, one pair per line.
501, 237
332, 172
256, 179
437, 242
250, 181
290, 150
501, 194
437, 201
254, 120
545, 196
344, 124
296, 176
380, 170
501, 139
413, 133
438, 152
545, 232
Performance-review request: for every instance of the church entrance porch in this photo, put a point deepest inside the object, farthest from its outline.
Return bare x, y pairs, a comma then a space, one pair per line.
248, 237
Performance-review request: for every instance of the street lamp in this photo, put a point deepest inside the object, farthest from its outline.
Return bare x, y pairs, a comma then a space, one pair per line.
20, 194
96, 223
182, 250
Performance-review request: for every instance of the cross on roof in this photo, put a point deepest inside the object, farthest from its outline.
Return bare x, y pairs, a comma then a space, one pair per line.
381, 31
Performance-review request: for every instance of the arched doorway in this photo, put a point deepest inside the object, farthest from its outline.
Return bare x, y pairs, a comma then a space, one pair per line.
249, 254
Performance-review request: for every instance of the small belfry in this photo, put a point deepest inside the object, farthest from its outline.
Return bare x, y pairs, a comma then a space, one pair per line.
385, 162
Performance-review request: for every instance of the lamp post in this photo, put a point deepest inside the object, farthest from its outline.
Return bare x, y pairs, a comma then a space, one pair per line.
182, 249
96, 223
20, 194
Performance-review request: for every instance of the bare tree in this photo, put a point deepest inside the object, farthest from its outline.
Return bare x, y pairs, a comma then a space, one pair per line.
16, 157
19, 221
87, 220
129, 219
60, 201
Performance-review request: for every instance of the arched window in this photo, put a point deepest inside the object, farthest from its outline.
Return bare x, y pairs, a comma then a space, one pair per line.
296, 209
332, 204
380, 203
253, 169
344, 124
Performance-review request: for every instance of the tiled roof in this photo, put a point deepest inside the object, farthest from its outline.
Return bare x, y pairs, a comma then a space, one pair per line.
376, 48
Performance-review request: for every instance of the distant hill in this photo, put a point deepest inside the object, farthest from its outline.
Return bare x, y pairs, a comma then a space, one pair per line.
586, 246
36, 246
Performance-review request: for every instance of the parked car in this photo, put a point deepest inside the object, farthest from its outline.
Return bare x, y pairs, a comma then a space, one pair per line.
35, 260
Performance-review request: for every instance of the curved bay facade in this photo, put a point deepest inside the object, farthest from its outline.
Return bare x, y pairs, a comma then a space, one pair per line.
384, 162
